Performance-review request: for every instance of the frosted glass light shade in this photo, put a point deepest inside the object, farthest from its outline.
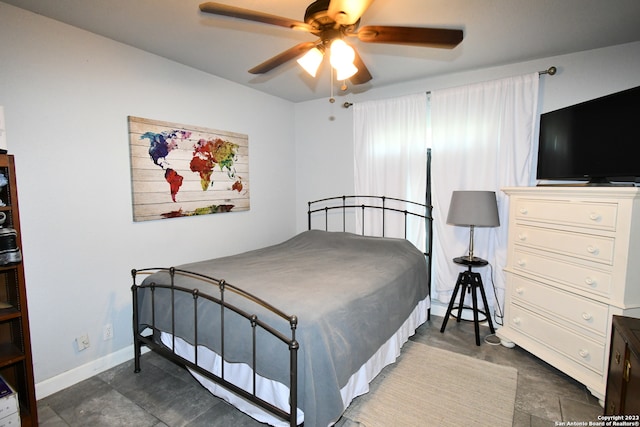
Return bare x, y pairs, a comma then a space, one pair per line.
341, 54
345, 71
311, 61
342, 57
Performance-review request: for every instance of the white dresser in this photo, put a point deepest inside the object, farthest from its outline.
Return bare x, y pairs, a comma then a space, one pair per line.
573, 262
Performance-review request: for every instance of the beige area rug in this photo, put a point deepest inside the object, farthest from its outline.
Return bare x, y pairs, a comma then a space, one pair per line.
428, 386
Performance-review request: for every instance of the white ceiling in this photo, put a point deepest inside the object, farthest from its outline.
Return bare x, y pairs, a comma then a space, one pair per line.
496, 32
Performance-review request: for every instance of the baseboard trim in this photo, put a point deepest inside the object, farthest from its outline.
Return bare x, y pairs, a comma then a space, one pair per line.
66, 379
438, 309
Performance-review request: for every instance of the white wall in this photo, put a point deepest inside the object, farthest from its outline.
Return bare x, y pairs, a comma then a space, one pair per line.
324, 160
67, 94
325, 165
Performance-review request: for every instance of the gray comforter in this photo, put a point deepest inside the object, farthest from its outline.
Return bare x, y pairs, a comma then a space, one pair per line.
350, 293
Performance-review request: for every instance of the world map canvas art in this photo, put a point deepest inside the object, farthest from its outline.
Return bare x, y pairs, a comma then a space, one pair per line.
179, 170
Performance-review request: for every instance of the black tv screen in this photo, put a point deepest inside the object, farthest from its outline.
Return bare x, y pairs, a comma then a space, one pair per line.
597, 140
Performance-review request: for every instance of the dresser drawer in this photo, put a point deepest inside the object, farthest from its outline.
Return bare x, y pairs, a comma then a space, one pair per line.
582, 313
578, 276
586, 246
582, 214
573, 346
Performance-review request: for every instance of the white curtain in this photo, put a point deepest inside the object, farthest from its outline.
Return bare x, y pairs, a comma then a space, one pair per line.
390, 154
482, 138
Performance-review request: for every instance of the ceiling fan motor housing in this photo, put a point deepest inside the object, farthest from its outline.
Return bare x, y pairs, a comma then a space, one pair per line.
324, 26
318, 18
316, 14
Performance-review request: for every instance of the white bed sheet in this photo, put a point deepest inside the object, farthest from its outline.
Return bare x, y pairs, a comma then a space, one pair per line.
277, 393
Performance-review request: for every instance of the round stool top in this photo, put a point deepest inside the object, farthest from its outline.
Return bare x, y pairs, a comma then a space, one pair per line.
474, 262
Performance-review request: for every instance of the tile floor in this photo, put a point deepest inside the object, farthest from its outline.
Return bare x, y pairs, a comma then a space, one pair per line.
164, 394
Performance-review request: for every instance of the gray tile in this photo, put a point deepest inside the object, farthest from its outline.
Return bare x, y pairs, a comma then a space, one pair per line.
541, 422
224, 415
75, 395
538, 402
521, 419
165, 394
107, 409
47, 417
175, 401
579, 411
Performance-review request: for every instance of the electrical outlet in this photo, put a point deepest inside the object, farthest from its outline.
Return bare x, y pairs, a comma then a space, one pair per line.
107, 332
82, 342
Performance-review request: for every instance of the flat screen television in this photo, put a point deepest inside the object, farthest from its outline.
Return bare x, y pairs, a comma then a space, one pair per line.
597, 141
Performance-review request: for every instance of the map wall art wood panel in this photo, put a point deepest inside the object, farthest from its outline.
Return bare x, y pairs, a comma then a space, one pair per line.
180, 170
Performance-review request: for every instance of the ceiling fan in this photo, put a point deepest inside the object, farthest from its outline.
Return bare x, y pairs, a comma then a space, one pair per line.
333, 21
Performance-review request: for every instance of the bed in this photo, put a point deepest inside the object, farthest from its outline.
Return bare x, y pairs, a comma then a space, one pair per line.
291, 333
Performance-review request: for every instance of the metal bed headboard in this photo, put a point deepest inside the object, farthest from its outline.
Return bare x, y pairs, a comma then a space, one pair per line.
349, 204
423, 210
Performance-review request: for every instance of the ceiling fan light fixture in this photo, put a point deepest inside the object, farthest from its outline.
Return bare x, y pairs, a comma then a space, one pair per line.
311, 61
346, 71
331, 21
341, 54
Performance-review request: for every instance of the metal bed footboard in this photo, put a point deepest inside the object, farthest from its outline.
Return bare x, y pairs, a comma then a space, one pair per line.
148, 335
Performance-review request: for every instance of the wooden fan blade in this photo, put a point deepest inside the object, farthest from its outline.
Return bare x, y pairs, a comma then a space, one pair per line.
252, 15
413, 36
347, 12
363, 75
287, 55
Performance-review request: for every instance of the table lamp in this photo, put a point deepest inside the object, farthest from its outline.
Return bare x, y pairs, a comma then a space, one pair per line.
473, 209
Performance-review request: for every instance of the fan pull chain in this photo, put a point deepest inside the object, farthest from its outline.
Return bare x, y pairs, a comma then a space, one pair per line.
332, 99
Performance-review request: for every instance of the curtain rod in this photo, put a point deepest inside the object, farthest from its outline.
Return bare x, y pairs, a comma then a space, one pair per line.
550, 71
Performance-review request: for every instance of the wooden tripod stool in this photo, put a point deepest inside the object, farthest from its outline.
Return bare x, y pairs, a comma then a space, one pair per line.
468, 281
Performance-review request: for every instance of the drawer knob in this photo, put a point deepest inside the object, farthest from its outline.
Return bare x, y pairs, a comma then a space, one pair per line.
587, 316
524, 211
519, 290
595, 216
521, 263
592, 250
522, 237
627, 370
516, 320
589, 281
584, 353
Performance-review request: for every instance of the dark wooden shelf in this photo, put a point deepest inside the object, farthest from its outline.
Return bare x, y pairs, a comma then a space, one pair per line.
9, 266
10, 354
16, 365
9, 314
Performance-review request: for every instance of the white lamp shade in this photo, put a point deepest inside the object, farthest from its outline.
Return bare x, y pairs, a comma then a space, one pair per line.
473, 208
311, 61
